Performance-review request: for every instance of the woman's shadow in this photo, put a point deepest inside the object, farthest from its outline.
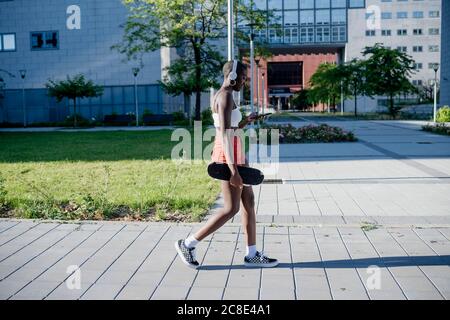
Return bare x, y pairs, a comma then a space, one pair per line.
385, 262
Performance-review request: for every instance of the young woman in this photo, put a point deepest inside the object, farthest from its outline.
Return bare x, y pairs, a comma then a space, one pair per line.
227, 149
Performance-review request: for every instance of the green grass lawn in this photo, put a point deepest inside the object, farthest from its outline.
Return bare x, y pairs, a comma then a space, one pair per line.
100, 175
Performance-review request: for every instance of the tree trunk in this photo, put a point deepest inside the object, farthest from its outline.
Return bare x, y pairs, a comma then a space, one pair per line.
355, 94
75, 112
198, 78
391, 105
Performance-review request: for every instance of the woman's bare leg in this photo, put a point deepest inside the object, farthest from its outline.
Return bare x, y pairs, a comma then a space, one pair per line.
248, 215
232, 197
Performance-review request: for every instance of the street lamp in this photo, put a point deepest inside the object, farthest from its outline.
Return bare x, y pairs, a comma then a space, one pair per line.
263, 93
135, 73
257, 83
252, 58
23, 73
435, 68
230, 31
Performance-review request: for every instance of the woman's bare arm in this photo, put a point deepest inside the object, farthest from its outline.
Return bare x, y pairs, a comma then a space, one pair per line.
225, 107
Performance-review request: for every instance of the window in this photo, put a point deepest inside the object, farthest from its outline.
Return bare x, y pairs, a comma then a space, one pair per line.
386, 0
417, 82
418, 65
338, 34
306, 17
322, 17
386, 15
7, 42
306, 35
290, 4
356, 3
417, 49
370, 33
433, 48
306, 4
402, 32
291, 18
402, 15
285, 73
418, 14
260, 4
431, 65
322, 3
338, 16
323, 34
386, 32
338, 3
291, 35
274, 5
44, 40
433, 31
402, 49
417, 32
433, 14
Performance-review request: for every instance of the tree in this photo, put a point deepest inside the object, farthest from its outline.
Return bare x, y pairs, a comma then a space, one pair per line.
326, 84
387, 73
353, 80
73, 88
301, 100
193, 26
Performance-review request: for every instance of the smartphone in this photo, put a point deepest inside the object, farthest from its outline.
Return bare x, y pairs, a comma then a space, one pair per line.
263, 115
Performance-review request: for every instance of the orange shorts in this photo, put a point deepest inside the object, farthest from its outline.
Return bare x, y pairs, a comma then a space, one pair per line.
218, 154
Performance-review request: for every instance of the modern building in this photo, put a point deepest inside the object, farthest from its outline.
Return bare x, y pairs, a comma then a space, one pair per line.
412, 26
445, 54
301, 34
50, 39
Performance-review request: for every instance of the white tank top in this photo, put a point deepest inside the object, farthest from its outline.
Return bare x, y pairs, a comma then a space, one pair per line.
236, 117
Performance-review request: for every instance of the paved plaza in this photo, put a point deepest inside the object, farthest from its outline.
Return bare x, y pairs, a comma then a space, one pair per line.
363, 220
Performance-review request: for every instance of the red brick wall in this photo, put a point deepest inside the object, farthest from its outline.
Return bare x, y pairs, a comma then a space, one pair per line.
311, 62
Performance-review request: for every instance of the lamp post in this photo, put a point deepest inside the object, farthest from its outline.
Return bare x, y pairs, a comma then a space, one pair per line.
135, 73
23, 73
342, 98
435, 68
252, 58
257, 84
263, 94
230, 31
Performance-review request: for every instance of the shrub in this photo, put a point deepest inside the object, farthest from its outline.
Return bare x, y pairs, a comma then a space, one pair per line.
440, 128
311, 134
443, 114
206, 117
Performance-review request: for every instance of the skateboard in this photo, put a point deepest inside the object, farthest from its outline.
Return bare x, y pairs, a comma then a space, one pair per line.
221, 171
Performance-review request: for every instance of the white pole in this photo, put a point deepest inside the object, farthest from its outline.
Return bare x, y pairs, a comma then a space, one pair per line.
263, 94
23, 104
257, 88
230, 30
136, 100
252, 72
435, 96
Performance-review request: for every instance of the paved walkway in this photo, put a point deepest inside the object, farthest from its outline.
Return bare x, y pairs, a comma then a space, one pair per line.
395, 173
138, 261
365, 220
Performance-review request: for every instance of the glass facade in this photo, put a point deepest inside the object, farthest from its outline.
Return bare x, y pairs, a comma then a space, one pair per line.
303, 21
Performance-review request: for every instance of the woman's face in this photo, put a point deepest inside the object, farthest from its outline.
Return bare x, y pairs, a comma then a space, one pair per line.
240, 81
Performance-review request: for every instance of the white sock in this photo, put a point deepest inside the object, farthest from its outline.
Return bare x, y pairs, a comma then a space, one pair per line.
251, 251
191, 242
